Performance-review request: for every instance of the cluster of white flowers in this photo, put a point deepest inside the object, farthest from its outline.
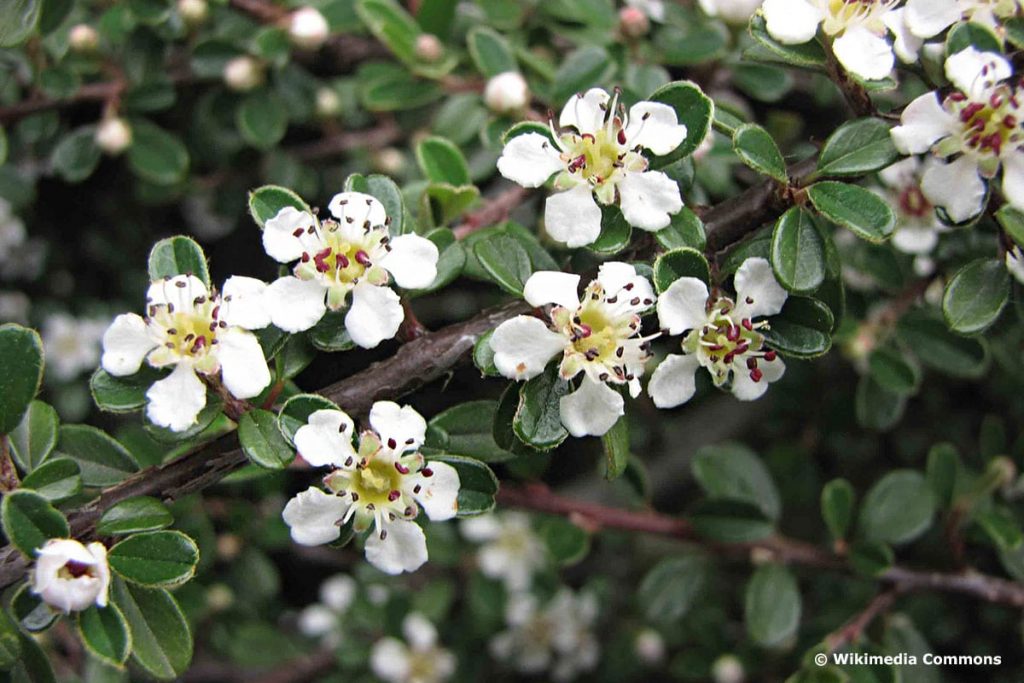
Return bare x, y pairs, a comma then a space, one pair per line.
323, 619
556, 637
417, 660
71, 576
72, 345
917, 225
381, 484
510, 550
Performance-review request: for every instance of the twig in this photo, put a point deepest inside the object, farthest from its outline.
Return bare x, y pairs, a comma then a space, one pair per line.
853, 92
851, 631
385, 133
493, 211
8, 474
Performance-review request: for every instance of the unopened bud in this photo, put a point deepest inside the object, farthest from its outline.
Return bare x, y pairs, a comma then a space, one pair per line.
308, 29
113, 135
429, 48
728, 669
83, 38
219, 597
193, 12
228, 546
633, 23
649, 647
1003, 471
389, 161
507, 93
243, 73
328, 103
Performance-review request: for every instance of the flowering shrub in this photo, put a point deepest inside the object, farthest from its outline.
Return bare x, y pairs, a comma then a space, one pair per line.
424, 341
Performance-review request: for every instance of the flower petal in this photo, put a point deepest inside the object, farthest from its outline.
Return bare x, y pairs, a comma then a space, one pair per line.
279, 239
586, 113
901, 174
915, 239
125, 345
647, 199
592, 409
864, 53
175, 401
412, 261
616, 276
906, 45
683, 306
757, 291
403, 424
375, 315
243, 368
404, 548
326, 438
295, 305
180, 290
439, 492
529, 160
928, 18
418, 631
390, 660
243, 303
956, 187
552, 287
974, 72
791, 21
922, 123
313, 516
655, 126
481, 529
1015, 264
523, 346
746, 389
360, 207
573, 217
1013, 179
674, 381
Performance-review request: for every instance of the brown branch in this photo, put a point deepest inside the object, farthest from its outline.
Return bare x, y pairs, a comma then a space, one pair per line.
8, 473
90, 92
493, 211
851, 631
539, 498
385, 133
853, 92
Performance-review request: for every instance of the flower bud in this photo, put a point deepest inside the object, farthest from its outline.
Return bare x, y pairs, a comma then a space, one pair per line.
328, 103
193, 12
243, 73
728, 669
219, 597
633, 23
71, 576
429, 48
308, 29
113, 135
649, 647
83, 38
389, 161
507, 93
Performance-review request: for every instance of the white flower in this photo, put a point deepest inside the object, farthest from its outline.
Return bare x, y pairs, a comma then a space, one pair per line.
728, 669
83, 38
418, 660
243, 73
649, 647
721, 335
323, 619
597, 335
557, 638
353, 253
917, 226
197, 332
381, 485
979, 126
596, 154
194, 12
308, 29
1015, 263
510, 549
507, 93
71, 576
857, 29
72, 345
920, 20
732, 11
113, 135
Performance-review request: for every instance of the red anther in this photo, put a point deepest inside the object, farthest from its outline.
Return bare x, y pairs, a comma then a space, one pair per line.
588, 136
585, 331
341, 261
393, 496
216, 312
320, 260
392, 444
756, 374
362, 258
427, 472
305, 257
733, 333
77, 569
402, 469
298, 232
622, 137
199, 344
957, 97
577, 163
995, 101
769, 356
751, 363
741, 348
747, 325
1009, 120
970, 110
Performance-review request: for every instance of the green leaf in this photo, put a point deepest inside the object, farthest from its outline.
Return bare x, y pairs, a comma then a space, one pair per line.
483, 355
615, 232
566, 542
393, 26
265, 202
450, 261
466, 429
34, 665
772, 605
940, 349
1012, 221
685, 230
10, 642
262, 441
18, 20
808, 55
581, 69
976, 296
943, 464
679, 263
262, 119
178, 255
877, 407
1001, 528
616, 449
156, 155
448, 201
296, 411
76, 156
802, 329
330, 334
798, 252
56, 479
693, 108
505, 260
837, 501
490, 51
898, 508
104, 632
133, 515
538, 421
442, 162
731, 471
857, 148
388, 194
756, 148
35, 436
103, 461
22, 352
155, 558
477, 484
161, 640
853, 207
669, 589
32, 614
870, 558
968, 33
29, 521
122, 394
388, 87
730, 521
893, 371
